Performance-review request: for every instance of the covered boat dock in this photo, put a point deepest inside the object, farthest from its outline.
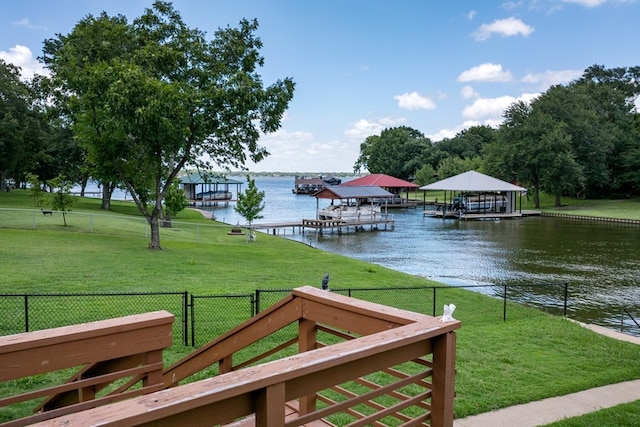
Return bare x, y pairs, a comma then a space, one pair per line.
209, 189
396, 186
473, 195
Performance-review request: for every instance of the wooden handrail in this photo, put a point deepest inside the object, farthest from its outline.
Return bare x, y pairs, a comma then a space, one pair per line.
387, 359
106, 351
265, 389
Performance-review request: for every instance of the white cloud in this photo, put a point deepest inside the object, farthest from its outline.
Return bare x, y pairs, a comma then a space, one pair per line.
510, 5
283, 139
468, 92
21, 56
486, 72
450, 133
414, 101
493, 108
25, 23
543, 81
301, 152
471, 14
364, 128
586, 3
505, 27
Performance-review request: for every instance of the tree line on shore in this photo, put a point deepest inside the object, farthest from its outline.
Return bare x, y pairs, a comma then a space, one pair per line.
581, 140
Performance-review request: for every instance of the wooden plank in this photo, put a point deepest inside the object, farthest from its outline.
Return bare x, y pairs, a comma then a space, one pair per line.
6, 401
70, 346
355, 322
265, 323
302, 373
378, 311
270, 406
443, 380
17, 342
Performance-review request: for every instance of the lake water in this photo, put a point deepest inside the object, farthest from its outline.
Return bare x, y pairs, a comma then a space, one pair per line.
600, 261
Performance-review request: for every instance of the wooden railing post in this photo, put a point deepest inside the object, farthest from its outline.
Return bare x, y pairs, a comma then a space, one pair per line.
443, 380
270, 407
226, 364
306, 342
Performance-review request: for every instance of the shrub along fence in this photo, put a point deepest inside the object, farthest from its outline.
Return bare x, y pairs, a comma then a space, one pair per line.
201, 318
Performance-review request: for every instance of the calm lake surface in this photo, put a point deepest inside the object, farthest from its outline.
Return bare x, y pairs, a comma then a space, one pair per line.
600, 261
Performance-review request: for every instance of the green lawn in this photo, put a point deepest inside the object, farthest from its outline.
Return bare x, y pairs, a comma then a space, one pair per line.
530, 356
627, 415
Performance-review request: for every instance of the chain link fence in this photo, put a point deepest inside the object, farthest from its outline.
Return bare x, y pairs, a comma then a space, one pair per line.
213, 315
24, 313
202, 318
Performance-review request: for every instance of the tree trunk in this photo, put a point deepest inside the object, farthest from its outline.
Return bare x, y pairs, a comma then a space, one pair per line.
155, 231
83, 186
558, 200
107, 191
166, 221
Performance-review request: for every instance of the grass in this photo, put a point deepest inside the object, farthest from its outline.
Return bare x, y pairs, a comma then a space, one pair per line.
530, 356
627, 415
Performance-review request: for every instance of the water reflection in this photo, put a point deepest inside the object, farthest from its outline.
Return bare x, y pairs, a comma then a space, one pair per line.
599, 261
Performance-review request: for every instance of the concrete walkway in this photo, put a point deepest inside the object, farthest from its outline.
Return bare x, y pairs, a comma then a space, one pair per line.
553, 409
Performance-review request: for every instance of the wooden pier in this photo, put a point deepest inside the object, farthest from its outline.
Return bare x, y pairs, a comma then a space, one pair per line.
480, 215
323, 225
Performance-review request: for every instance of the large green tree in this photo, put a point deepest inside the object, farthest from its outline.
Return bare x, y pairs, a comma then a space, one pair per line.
398, 152
534, 148
612, 95
166, 98
466, 144
20, 125
79, 91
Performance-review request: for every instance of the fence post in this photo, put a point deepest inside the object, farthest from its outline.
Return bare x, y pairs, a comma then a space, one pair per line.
504, 305
253, 305
26, 313
257, 301
434, 301
193, 322
185, 318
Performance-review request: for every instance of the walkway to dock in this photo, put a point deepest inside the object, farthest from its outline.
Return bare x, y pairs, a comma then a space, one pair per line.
323, 225
480, 215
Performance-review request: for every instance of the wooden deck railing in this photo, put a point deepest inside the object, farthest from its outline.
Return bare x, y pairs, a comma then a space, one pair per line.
105, 352
338, 361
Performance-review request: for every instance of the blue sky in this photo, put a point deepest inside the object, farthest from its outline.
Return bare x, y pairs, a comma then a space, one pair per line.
361, 66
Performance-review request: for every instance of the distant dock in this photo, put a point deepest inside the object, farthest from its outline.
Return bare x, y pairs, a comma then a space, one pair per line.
327, 225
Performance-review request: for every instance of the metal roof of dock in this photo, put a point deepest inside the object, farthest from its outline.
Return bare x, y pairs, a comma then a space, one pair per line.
472, 181
380, 180
352, 192
206, 178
